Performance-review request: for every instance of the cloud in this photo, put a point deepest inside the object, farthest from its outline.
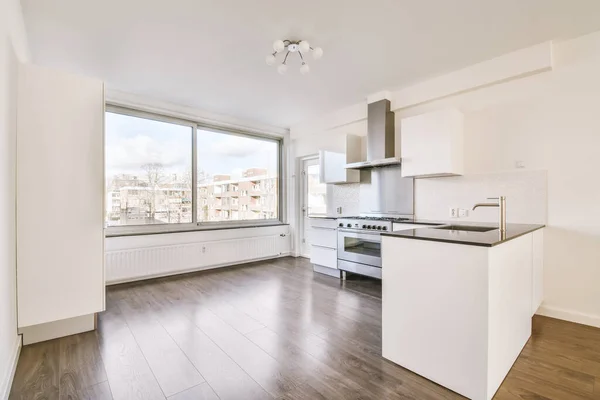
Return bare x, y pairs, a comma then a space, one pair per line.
130, 153
236, 146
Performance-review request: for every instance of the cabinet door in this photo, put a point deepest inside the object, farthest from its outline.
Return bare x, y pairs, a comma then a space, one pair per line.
325, 237
432, 144
333, 168
60, 192
323, 256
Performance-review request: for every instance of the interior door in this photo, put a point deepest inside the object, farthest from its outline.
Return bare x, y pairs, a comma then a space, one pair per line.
313, 201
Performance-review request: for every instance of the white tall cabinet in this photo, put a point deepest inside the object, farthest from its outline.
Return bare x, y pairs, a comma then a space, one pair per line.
60, 197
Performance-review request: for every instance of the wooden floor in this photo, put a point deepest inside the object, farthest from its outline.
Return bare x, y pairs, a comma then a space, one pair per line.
271, 330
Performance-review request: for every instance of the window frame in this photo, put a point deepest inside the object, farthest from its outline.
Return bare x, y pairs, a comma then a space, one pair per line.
195, 225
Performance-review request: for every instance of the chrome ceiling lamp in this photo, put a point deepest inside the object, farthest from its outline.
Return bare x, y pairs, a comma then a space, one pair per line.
290, 46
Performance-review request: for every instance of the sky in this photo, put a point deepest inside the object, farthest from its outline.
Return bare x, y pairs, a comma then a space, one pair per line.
132, 142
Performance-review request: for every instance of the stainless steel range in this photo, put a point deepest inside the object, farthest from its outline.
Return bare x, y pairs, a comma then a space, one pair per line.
359, 243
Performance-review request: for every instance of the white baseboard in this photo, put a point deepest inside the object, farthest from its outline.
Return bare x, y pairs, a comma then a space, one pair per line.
56, 329
187, 271
6, 383
569, 315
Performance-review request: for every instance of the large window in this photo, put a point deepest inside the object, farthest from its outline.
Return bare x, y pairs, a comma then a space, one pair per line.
238, 177
152, 168
148, 171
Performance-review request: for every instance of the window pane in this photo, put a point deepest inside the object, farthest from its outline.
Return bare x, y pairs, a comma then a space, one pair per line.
148, 171
237, 177
317, 192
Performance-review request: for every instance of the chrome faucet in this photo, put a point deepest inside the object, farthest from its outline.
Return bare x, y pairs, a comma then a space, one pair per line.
500, 204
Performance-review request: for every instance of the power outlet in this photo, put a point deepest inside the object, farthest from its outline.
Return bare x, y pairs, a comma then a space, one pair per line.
463, 212
453, 212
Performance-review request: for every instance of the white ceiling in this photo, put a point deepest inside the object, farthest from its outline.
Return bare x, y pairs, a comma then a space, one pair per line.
210, 54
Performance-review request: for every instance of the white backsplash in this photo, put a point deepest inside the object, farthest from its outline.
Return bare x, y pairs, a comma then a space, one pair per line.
346, 196
526, 196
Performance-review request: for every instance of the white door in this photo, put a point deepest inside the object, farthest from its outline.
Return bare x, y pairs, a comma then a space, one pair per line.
313, 200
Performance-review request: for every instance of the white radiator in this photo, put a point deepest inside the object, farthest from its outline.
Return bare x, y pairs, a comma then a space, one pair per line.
136, 263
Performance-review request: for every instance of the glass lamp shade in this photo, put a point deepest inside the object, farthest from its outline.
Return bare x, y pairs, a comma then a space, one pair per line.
278, 45
304, 69
317, 53
282, 69
304, 46
270, 59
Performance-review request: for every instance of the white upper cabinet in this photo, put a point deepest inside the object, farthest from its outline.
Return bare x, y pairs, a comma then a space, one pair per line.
432, 144
333, 164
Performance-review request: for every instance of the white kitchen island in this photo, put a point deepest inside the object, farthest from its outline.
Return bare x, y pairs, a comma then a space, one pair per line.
457, 305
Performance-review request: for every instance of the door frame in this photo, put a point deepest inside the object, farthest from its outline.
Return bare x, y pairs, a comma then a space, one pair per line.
300, 199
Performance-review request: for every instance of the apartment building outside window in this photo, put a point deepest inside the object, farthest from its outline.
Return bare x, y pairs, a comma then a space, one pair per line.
167, 175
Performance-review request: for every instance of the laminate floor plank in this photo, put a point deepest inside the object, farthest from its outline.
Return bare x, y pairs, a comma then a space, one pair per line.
272, 330
80, 365
276, 378
262, 306
226, 378
172, 369
100, 391
37, 374
343, 310
350, 310
215, 303
333, 382
201, 392
525, 386
559, 375
129, 374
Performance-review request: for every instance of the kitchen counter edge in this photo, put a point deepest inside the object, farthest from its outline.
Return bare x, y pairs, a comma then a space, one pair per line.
514, 231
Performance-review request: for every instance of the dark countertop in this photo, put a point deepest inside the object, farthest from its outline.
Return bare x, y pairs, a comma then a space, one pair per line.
422, 222
321, 217
484, 239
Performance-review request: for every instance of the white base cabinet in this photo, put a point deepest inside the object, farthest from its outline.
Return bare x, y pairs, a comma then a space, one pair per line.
323, 251
538, 270
458, 315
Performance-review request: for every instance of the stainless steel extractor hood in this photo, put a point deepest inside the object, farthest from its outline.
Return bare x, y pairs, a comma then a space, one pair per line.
381, 137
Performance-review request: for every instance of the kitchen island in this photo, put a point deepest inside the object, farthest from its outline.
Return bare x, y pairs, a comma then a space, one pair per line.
457, 302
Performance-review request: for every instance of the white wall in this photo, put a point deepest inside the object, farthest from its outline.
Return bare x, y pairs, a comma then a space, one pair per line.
550, 122
526, 193
12, 43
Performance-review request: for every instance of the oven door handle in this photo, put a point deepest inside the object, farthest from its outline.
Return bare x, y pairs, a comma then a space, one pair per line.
359, 232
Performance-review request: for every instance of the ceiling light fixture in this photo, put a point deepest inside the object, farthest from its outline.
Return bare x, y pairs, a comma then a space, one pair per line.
291, 46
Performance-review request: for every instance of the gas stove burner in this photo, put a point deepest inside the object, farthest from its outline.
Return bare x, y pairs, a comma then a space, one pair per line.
371, 223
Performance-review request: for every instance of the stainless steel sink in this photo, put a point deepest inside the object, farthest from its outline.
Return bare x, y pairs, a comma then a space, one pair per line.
465, 228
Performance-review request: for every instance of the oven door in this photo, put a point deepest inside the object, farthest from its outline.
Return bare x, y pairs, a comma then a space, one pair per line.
360, 247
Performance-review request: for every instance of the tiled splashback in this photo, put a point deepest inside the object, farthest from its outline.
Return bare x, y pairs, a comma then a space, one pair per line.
345, 196
526, 196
